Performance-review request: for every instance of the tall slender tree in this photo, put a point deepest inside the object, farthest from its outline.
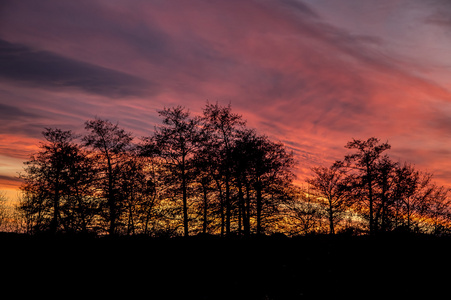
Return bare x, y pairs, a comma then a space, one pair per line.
204, 171
109, 143
176, 142
364, 161
223, 126
384, 183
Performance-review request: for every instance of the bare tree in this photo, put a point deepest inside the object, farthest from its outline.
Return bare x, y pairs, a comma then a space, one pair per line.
331, 183
305, 213
439, 207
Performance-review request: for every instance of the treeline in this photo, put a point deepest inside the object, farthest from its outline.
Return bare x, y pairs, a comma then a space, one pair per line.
386, 194
211, 174
195, 174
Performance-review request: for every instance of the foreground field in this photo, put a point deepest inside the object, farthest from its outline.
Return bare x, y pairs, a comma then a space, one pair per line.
318, 267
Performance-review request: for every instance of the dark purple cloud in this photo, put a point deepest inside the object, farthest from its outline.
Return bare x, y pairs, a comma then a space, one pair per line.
43, 69
8, 112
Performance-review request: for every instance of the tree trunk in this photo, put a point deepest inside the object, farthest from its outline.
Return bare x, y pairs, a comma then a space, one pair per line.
331, 218
130, 225
204, 225
370, 197
56, 199
111, 201
247, 217
221, 205
408, 214
258, 189
241, 211
228, 206
147, 219
185, 202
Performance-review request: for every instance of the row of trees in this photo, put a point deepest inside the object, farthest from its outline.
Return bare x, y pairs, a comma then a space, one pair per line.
389, 195
212, 174
204, 173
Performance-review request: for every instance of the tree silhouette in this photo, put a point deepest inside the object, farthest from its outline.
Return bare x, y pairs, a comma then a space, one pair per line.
47, 179
177, 141
241, 155
80, 205
364, 162
110, 144
384, 184
304, 213
204, 168
333, 184
223, 125
406, 184
266, 167
138, 191
439, 210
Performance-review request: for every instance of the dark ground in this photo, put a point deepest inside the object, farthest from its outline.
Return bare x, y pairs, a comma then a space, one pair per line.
317, 267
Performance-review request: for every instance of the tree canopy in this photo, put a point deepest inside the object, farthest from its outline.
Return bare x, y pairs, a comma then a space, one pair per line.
212, 174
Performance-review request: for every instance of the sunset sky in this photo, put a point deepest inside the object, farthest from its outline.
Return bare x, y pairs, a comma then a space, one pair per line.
313, 74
